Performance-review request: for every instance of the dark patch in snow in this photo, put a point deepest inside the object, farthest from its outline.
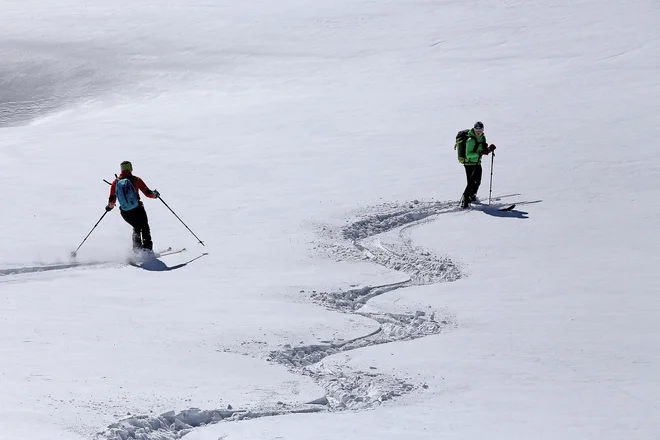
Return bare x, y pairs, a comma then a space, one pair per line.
37, 79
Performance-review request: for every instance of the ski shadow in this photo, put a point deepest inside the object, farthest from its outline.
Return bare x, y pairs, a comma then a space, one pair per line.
157, 265
494, 210
514, 213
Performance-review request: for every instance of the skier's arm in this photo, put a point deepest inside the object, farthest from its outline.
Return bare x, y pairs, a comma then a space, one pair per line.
113, 194
484, 149
145, 189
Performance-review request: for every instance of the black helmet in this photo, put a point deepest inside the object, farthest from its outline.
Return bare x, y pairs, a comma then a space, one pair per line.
479, 125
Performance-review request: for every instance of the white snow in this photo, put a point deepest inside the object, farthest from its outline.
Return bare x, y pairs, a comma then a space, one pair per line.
309, 144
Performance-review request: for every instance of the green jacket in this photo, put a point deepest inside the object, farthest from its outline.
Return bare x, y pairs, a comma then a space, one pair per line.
474, 146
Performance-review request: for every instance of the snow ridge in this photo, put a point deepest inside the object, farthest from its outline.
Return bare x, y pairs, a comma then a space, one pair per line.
171, 425
394, 215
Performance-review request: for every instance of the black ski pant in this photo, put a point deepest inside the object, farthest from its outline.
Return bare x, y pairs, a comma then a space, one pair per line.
473, 174
137, 217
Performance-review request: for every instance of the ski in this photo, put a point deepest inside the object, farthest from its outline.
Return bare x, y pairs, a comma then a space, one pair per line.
170, 251
498, 198
147, 256
493, 207
484, 203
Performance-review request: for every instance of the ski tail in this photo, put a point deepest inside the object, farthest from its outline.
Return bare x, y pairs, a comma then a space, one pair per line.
170, 251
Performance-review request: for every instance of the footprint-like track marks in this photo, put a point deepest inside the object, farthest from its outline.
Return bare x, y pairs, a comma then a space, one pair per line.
381, 238
378, 236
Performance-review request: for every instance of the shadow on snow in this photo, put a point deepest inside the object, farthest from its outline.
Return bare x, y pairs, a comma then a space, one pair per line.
157, 265
495, 210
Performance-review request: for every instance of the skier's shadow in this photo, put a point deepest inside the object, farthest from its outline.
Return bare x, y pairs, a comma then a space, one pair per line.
494, 210
157, 265
508, 214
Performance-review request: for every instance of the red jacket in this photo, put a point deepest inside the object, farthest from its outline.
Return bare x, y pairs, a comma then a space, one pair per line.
137, 183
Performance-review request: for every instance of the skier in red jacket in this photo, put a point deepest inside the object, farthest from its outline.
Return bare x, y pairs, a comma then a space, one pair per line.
125, 189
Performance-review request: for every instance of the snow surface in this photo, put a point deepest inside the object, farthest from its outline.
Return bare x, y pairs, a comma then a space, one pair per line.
309, 144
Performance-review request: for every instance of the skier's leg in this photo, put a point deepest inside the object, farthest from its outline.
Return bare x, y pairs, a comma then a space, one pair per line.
476, 180
131, 218
143, 223
468, 194
137, 240
146, 236
466, 198
468, 175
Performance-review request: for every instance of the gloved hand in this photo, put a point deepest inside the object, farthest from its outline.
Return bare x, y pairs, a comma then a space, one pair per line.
109, 207
156, 194
492, 147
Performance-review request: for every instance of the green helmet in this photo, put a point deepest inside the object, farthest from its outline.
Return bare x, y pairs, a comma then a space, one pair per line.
126, 166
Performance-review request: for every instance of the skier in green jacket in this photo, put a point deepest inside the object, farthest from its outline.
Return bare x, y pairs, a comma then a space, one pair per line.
475, 147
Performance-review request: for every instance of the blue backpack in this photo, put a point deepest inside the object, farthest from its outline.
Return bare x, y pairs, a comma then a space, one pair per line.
126, 194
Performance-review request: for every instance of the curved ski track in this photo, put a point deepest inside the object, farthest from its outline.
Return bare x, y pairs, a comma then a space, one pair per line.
380, 237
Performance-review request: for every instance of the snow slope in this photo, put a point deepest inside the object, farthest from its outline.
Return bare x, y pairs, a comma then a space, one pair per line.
309, 144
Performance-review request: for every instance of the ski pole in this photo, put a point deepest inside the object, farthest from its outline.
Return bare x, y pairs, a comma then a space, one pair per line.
74, 253
200, 241
168, 207
492, 159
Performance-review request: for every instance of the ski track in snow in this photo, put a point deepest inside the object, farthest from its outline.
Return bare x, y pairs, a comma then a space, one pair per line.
380, 237
48, 267
14, 274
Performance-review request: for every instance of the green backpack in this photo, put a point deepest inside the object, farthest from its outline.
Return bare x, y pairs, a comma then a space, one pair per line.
459, 146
